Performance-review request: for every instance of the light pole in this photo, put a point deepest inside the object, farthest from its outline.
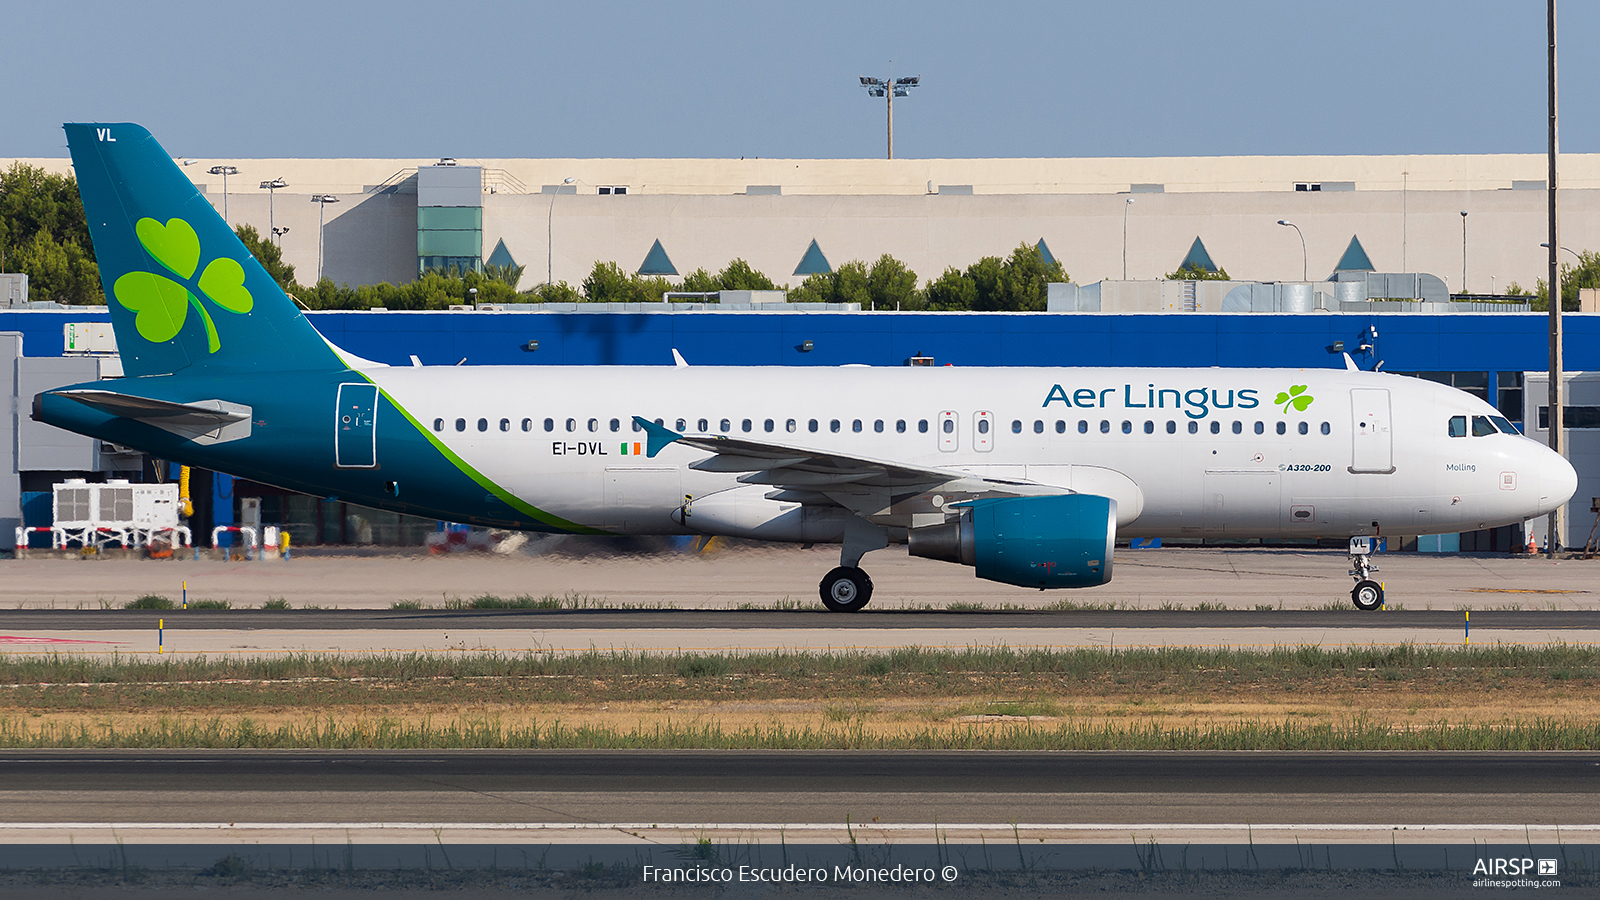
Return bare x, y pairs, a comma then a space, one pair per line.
322, 201
890, 88
278, 233
1305, 261
271, 187
550, 233
1463, 251
224, 171
1557, 414
1125, 207
1546, 245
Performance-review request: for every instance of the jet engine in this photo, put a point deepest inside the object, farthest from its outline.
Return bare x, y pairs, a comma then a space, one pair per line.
1061, 541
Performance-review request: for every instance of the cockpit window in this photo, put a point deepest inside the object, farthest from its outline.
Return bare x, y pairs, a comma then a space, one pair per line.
1458, 426
1481, 426
1504, 424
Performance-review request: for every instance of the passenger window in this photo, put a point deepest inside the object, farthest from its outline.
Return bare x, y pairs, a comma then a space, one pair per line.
727, 425
483, 424
1305, 428
438, 424
1283, 428
949, 426
1105, 426
744, 426
636, 425
1127, 427
461, 424
768, 426
1083, 426
789, 426
922, 426
527, 424
833, 425
594, 425
1261, 428
704, 426
983, 426
1149, 427
855, 425
1238, 427
812, 425
682, 425
1016, 426
1061, 426
505, 424
1458, 426
572, 424
549, 424
1481, 426
1172, 427
1328, 429
877, 426
1038, 426
1194, 427
899, 426
616, 425
1216, 427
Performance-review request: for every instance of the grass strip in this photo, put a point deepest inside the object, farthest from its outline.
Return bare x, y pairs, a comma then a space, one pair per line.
1558, 661
465, 734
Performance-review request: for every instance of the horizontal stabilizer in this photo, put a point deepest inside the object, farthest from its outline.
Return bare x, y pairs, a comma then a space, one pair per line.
202, 421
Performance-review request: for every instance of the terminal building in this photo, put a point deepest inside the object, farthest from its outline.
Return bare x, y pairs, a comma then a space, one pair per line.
1380, 263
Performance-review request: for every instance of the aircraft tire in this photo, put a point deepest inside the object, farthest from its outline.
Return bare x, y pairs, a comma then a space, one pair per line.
845, 589
1367, 595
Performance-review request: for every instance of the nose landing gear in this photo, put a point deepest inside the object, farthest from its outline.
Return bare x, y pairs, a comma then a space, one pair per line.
1367, 594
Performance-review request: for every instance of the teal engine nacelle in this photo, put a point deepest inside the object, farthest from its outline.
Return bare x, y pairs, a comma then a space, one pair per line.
1061, 541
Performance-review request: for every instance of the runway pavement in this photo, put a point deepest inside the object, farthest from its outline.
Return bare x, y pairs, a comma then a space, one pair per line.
765, 576
651, 797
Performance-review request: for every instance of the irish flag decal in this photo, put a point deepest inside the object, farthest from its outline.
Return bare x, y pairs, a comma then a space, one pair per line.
633, 449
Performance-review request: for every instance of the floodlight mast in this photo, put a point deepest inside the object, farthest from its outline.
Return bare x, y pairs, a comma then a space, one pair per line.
889, 88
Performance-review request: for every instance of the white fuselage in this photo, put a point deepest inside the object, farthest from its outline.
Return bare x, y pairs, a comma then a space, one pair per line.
1212, 452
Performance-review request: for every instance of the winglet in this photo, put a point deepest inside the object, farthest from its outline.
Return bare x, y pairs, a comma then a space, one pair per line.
1350, 364
678, 360
657, 437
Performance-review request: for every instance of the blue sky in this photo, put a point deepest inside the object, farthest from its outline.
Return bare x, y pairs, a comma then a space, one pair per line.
730, 79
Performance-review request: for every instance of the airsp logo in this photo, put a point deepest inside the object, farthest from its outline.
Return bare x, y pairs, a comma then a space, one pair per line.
1513, 866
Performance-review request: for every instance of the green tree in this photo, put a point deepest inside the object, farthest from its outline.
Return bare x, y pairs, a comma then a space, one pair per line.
268, 254
891, 286
738, 276
43, 233
509, 274
1023, 278
1586, 274
700, 282
1192, 272
954, 291
608, 283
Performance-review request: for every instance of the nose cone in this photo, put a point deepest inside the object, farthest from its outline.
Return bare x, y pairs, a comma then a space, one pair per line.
1558, 481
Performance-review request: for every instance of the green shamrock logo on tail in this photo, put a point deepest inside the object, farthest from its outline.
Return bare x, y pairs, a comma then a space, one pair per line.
162, 304
1296, 397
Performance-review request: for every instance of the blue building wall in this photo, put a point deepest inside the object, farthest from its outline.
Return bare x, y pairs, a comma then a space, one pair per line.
1405, 342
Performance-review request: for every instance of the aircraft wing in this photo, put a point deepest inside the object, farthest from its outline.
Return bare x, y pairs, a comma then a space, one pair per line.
877, 489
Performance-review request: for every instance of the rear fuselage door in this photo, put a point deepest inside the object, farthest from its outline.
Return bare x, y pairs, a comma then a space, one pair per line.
355, 443
1371, 434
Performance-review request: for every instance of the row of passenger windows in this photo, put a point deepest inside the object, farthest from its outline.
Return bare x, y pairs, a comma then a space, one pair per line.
900, 426
1482, 426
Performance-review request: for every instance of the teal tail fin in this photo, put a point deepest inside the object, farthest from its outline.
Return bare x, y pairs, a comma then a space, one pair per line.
185, 294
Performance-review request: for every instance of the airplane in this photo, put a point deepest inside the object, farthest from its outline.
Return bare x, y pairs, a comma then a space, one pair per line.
1028, 475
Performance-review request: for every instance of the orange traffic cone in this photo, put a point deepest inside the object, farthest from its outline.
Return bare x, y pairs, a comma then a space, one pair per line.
1533, 548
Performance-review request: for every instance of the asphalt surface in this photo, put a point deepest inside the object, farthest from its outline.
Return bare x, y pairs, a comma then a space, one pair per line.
785, 772
682, 619
672, 798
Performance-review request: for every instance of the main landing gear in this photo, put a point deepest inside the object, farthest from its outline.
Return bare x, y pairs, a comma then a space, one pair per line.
1367, 594
847, 588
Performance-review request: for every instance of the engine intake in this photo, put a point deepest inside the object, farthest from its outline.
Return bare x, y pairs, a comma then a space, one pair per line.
1062, 541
